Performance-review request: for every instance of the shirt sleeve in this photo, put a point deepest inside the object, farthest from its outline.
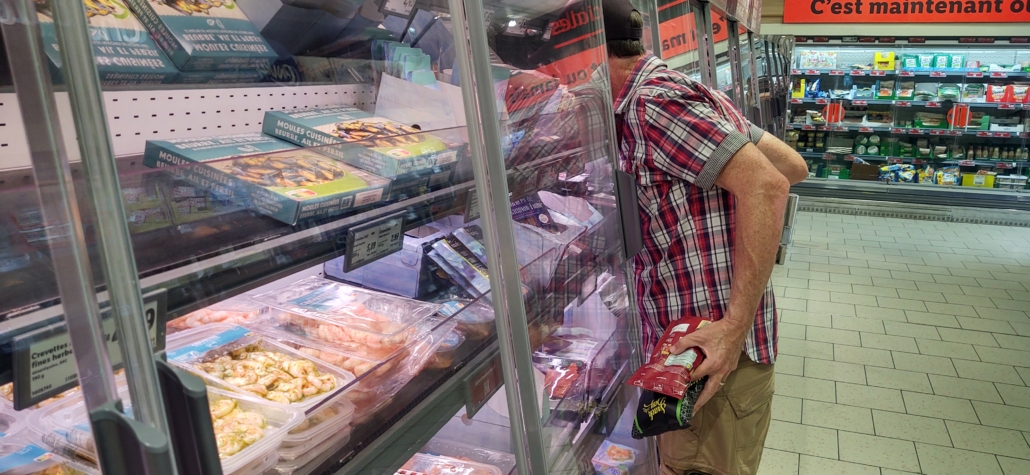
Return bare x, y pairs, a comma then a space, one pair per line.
755, 132
689, 139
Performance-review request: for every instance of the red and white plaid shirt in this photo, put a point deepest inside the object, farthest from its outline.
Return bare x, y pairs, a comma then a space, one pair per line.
676, 136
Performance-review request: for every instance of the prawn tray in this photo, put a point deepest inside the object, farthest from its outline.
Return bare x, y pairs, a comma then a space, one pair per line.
204, 35
124, 51
276, 178
375, 144
316, 428
242, 361
233, 311
18, 456
247, 429
362, 322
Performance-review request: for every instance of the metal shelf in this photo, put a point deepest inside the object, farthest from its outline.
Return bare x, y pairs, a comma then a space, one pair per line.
969, 74
947, 104
915, 194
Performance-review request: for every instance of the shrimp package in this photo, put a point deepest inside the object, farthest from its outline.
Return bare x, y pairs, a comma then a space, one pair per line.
240, 360
19, 456
247, 430
235, 311
614, 459
436, 464
668, 373
363, 322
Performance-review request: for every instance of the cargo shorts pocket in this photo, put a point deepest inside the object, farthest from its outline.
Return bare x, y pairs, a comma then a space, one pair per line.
753, 410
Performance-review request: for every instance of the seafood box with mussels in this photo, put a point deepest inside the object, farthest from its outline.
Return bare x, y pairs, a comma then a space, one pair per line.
269, 175
375, 144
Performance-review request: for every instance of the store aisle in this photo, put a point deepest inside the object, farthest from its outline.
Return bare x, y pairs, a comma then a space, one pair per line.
904, 347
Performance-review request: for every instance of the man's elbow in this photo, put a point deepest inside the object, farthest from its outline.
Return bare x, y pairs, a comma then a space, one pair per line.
798, 170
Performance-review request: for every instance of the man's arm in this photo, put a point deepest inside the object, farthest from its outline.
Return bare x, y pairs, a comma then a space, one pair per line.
787, 160
761, 197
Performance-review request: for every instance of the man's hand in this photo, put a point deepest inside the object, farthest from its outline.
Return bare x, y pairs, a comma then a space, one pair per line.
721, 341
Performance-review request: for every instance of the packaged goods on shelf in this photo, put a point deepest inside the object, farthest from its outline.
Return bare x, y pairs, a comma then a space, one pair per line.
220, 77
445, 353
979, 180
883, 61
614, 459
505, 462
425, 463
812, 59
233, 311
321, 426
1011, 182
9, 424
144, 203
21, 456
274, 177
243, 361
363, 322
312, 451
191, 203
974, 92
407, 272
375, 144
205, 35
248, 430
475, 319
460, 263
124, 51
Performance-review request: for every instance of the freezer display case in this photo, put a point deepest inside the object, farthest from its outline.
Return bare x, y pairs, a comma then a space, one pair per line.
329, 238
946, 121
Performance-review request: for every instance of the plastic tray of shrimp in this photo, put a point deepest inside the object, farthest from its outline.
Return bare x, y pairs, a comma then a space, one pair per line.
366, 323
247, 429
20, 456
233, 311
247, 362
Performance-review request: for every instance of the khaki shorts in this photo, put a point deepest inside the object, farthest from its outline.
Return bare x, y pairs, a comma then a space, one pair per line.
727, 435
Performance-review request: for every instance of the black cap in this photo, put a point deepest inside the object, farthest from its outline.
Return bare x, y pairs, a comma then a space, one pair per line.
617, 23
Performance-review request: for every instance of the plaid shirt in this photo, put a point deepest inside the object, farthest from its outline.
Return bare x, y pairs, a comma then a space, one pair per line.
676, 136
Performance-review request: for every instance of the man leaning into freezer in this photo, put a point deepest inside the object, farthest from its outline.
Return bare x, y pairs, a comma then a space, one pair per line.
712, 189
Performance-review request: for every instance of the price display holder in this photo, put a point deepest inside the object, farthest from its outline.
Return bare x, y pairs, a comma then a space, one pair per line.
471, 206
482, 385
43, 361
401, 8
368, 242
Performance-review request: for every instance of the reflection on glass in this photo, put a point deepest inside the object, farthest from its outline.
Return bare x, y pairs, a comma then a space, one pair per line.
679, 37
723, 64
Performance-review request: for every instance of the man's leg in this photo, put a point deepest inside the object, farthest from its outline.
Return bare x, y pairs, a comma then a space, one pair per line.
727, 435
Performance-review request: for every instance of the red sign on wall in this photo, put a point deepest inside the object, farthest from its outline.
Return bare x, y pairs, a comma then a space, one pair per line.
905, 11
677, 28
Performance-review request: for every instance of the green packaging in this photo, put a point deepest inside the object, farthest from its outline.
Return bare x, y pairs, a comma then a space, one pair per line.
941, 61
124, 52
267, 174
909, 61
958, 61
204, 35
925, 60
374, 144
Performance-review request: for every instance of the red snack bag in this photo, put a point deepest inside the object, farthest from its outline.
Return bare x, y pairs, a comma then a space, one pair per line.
666, 373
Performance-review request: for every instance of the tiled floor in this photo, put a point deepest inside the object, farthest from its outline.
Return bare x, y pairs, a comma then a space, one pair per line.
904, 348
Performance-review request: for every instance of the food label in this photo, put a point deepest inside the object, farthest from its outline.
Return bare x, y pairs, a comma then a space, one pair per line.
370, 242
201, 347
666, 373
482, 385
44, 364
29, 458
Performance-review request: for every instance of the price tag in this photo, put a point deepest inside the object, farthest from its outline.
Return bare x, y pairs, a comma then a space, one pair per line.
983, 134
859, 102
836, 72
916, 131
997, 74
955, 133
938, 74
822, 101
482, 385
1002, 135
894, 160
933, 104
44, 365
400, 8
841, 128
1007, 106
828, 156
918, 161
976, 74
795, 72
938, 132
825, 127
903, 104
812, 72
857, 72
966, 163
897, 131
877, 73
849, 158
865, 129
369, 242
807, 127
1003, 165
797, 100
1025, 135
907, 74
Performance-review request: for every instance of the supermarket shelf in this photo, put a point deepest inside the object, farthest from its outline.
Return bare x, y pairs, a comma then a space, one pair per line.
913, 194
970, 74
908, 130
1000, 164
945, 104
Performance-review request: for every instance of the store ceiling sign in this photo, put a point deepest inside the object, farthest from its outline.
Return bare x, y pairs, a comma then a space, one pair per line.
906, 11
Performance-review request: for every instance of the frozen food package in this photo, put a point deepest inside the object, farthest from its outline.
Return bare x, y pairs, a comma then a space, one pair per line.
458, 258
614, 459
364, 322
436, 464
240, 360
233, 311
247, 429
22, 457
669, 373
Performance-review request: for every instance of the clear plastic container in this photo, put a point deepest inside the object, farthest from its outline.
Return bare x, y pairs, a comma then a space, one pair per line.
504, 461
288, 467
318, 427
9, 424
444, 356
232, 311
21, 456
66, 421
426, 463
475, 319
198, 347
361, 321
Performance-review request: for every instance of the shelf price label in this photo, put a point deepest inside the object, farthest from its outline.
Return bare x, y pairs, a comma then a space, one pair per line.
1007, 106
878, 73
482, 385
865, 129
807, 127
369, 242
836, 72
933, 104
907, 74
983, 134
828, 156
849, 158
401, 8
1025, 135
797, 100
812, 72
897, 131
43, 362
822, 101
966, 163
795, 72
857, 72
938, 74
1002, 135
1003, 165
894, 160
916, 131
975, 74
938, 132
918, 161
999, 75
903, 103
859, 102
841, 128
